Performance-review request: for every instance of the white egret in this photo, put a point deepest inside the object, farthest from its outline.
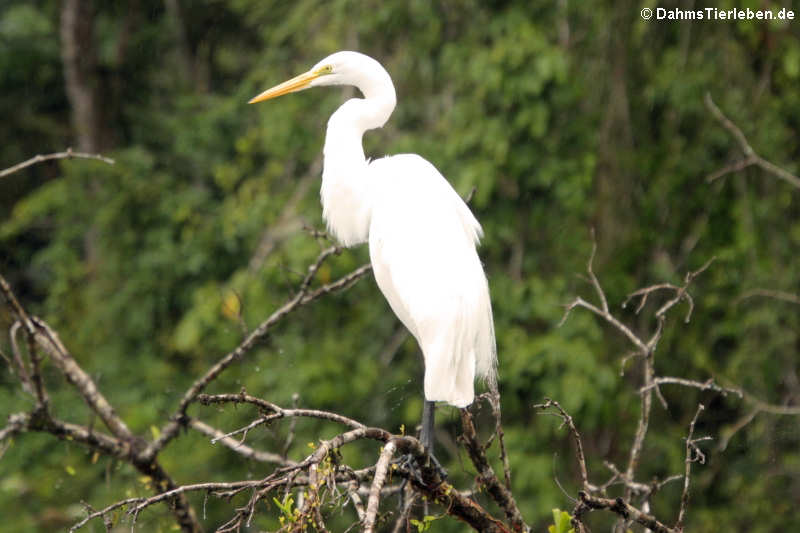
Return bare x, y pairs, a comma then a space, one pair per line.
421, 234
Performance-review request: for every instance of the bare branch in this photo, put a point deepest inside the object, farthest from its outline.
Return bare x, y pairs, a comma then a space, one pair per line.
68, 154
303, 297
764, 407
143, 503
576, 437
48, 340
486, 476
751, 157
494, 401
409, 499
101, 442
123, 444
783, 296
13, 303
595, 283
741, 423
692, 454
278, 412
342, 283
644, 489
52, 345
623, 509
647, 351
16, 424
645, 292
103, 512
377, 483
646, 403
580, 302
16, 364
702, 385
238, 447
292, 425
358, 505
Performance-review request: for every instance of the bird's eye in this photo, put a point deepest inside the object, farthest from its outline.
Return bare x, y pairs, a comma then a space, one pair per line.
327, 69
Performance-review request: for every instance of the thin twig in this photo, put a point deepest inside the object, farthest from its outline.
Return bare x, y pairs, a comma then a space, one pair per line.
595, 282
21, 369
702, 385
693, 454
67, 154
576, 437
494, 401
208, 399
580, 302
409, 499
783, 296
486, 475
238, 447
302, 297
625, 510
104, 511
292, 425
48, 340
750, 156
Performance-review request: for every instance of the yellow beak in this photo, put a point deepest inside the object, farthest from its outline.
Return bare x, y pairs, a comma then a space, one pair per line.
297, 83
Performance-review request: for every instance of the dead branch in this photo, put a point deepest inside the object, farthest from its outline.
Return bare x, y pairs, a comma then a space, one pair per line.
16, 424
494, 401
16, 364
52, 345
576, 437
608, 317
238, 447
702, 385
595, 282
302, 297
588, 502
427, 482
782, 296
39, 158
621, 508
750, 156
486, 475
377, 484
277, 411
650, 383
693, 454
102, 513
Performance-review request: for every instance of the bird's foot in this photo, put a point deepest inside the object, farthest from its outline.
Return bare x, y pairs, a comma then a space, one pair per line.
409, 463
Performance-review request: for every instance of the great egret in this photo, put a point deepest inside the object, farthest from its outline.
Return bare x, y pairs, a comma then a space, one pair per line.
422, 236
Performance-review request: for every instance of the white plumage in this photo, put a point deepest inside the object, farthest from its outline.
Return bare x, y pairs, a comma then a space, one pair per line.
422, 236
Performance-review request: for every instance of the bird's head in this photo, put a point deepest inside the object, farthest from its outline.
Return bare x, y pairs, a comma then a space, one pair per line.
340, 68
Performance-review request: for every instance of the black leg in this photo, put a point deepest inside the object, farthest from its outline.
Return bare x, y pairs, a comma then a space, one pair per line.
427, 439
426, 435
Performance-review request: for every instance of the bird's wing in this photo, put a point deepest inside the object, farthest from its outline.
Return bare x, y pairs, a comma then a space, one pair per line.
422, 234
422, 246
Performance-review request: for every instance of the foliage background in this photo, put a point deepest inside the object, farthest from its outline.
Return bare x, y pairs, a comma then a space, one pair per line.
566, 116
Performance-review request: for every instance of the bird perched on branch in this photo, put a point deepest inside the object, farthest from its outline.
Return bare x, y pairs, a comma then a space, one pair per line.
422, 236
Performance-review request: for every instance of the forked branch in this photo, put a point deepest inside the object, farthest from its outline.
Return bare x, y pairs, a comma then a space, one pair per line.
750, 155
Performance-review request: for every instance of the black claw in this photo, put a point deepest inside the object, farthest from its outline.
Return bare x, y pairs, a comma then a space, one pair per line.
409, 464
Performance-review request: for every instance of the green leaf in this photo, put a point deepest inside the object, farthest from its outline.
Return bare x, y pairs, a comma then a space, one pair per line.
561, 522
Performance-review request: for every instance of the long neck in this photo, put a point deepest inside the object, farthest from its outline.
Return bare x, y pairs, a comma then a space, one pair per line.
345, 193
